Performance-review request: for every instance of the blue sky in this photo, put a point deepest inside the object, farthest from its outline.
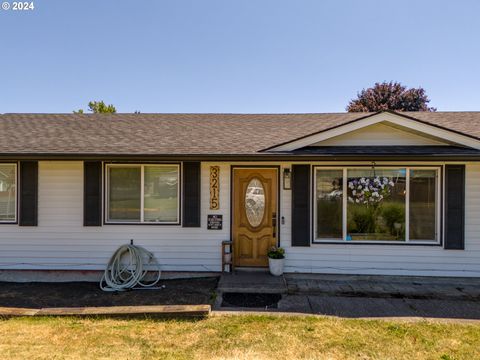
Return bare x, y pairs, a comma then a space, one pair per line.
266, 56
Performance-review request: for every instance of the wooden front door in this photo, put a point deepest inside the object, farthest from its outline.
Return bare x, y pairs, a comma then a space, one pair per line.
254, 222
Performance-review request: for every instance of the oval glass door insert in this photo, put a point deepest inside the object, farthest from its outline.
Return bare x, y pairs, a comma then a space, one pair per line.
255, 202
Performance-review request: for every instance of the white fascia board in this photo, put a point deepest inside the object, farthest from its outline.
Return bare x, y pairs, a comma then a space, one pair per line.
382, 117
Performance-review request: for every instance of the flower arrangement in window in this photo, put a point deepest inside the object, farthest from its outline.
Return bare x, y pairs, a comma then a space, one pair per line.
369, 191
374, 212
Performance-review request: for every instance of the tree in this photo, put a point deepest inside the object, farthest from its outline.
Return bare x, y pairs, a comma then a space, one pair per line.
98, 107
390, 96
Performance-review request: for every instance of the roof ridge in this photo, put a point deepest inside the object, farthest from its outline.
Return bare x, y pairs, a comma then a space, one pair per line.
187, 113
246, 113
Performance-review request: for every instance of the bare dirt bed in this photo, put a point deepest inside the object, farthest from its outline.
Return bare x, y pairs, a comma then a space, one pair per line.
78, 294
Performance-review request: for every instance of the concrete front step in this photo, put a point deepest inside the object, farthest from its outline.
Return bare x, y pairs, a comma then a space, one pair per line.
251, 282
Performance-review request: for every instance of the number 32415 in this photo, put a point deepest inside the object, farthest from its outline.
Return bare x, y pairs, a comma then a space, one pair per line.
22, 5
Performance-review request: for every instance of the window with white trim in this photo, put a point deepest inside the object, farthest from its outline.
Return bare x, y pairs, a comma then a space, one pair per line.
8, 193
143, 193
384, 204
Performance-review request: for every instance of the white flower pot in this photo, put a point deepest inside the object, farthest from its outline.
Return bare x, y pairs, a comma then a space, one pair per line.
276, 266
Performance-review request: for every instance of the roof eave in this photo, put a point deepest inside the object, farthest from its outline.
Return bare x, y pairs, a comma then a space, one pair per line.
279, 156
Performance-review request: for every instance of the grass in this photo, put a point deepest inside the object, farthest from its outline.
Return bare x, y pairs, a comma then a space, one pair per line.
236, 337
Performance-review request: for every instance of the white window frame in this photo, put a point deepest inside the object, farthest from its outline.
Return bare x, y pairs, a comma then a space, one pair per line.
407, 240
14, 221
142, 194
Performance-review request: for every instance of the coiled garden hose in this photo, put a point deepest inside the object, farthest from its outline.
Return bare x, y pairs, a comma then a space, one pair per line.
127, 268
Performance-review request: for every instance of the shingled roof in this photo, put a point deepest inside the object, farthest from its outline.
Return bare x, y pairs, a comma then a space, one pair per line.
182, 134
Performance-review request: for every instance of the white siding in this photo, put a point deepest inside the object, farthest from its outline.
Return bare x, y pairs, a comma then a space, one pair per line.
60, 241
392, 259
379, 134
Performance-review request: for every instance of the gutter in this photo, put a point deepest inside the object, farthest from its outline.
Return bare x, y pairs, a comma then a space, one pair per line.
240, 157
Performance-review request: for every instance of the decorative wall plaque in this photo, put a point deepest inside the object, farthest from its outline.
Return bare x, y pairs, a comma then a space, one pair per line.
214, 187
214, 222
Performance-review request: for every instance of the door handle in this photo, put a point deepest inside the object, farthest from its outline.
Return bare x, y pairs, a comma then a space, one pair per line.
274, 224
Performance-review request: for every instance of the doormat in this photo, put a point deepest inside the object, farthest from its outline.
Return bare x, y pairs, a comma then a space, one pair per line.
251, 300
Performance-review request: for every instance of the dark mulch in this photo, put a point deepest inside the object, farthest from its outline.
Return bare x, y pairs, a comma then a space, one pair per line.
251, 300
79, 294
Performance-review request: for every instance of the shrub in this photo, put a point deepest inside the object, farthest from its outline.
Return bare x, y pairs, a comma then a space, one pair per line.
363, 219
276, 253
393, 213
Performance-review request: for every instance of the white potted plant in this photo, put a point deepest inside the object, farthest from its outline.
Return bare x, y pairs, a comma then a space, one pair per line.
276, 260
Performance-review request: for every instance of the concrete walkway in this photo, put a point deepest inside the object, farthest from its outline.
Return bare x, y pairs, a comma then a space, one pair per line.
361, 307
361, 296
414, 287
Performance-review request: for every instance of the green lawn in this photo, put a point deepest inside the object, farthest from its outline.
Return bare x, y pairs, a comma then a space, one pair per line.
236, 337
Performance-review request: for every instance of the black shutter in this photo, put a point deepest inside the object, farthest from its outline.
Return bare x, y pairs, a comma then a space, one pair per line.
455, 207
28, 193
191, 194
92, 193
301, 205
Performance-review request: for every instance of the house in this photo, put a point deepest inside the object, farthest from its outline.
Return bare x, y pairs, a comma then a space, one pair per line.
351, 193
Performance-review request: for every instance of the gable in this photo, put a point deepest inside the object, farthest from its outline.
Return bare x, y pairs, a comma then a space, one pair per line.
410, 132
382, 134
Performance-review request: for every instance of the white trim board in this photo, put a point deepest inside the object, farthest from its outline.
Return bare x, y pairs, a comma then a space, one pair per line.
383, 134
398, 121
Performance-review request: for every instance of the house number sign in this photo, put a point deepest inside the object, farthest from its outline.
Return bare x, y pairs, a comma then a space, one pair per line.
214, 187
